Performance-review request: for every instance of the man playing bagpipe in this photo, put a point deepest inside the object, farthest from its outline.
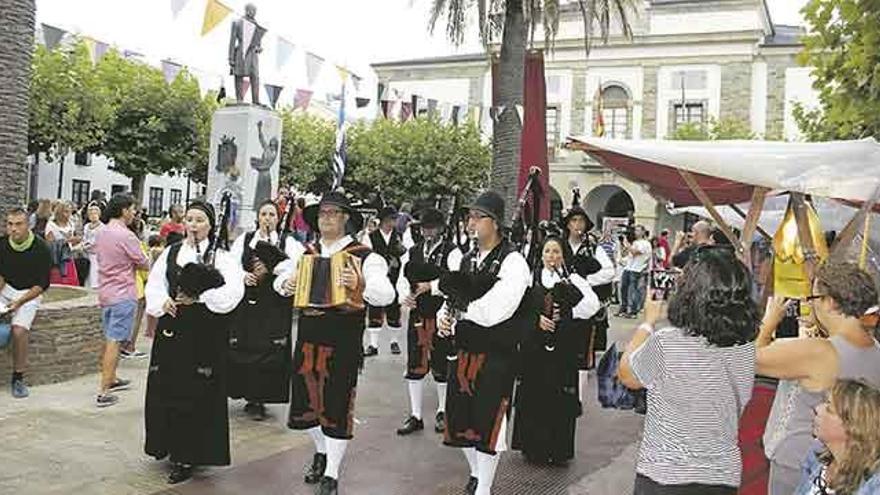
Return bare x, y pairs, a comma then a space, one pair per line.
192, 288
481, 313
328, 352
418, 289
259, 340
387, 243
589, 260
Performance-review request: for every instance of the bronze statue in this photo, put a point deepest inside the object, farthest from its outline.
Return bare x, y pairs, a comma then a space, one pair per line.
243, 60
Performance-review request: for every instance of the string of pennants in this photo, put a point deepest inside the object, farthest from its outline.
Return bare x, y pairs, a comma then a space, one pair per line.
215, 13
394, 106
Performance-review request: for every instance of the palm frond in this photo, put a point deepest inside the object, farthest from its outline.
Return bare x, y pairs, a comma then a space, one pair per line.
587, 18
550, 19
437, 9
455, 11
622, 7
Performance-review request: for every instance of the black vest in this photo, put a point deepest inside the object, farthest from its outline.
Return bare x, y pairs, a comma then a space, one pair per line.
391, 251
428, 304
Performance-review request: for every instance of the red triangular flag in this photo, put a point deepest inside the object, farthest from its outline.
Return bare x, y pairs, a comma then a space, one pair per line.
302, 99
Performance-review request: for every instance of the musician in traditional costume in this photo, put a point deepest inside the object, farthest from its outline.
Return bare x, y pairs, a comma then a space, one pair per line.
192, 288
481, 313
418, 289
587, 258
387, 243
260, 338
328, 350
547, 404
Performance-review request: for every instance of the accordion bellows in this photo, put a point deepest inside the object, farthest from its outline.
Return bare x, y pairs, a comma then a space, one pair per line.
318, 284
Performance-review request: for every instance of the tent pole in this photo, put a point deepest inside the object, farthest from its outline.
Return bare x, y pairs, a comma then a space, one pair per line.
710, 207
804, 234
845, 237
755, 208
736, 209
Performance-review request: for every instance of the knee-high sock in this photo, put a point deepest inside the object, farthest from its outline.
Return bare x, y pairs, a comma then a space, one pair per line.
319, 439
415, 397
583, 378
335, 451
470, 454
393, 333
374, 336
441, 397
486, 465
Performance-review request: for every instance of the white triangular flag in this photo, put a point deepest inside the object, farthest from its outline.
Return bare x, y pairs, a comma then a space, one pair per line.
247, 34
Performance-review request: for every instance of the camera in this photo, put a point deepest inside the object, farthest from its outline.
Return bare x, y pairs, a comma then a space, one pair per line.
662, 283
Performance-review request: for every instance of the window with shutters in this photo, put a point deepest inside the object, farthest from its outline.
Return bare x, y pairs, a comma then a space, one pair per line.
156, 203
176, 197
80, 193
690, 112
616, 112
552, 118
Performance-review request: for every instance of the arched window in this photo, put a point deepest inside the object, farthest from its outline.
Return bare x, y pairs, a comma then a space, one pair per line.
615, 112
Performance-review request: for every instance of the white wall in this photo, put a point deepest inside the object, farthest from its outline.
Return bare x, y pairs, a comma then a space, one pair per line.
798, 88
758, 110
706, 22
100, 177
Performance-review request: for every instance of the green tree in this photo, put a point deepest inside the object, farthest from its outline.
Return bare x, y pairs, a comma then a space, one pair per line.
307, 144
717, 129
67, 108
516, 21
843, 47
157, 128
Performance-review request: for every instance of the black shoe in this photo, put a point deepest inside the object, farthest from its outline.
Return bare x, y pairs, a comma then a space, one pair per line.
315, 471
411, 425
471, 486
371, 351
328, 486
250, 407
179, 473
259, 412
440, 422
395, 348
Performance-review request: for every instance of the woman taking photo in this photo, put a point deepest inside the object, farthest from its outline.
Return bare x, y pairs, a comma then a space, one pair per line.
547, 400
259, 342
63, 240
848, 461
90, 232
844, 307
699, 373
193, 287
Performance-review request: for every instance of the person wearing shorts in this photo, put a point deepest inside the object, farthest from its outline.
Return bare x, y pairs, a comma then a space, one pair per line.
119, 255
25, 263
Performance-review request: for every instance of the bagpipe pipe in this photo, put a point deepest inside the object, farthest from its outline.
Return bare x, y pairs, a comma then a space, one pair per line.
525, 232
196, 278
563, 295
266, 253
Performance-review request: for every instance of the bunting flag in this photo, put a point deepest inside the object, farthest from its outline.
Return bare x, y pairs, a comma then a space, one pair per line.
331, 97
273, 92
215, 12
283, 51
177, 6
445, 113
339, 156
380, 92
314, 64
132, 55
248, 29
170, 70
101, 49
356, 81
599, 123
245, 85
406, 110
387, 105
456, 112
343, 73
422, 108
222, 93
414, 106
52, 36
432, 108
361, 102
496, 112
521, 112
302, 98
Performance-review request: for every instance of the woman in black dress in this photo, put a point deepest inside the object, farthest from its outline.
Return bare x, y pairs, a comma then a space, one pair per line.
193, 287
259, 342
547, 404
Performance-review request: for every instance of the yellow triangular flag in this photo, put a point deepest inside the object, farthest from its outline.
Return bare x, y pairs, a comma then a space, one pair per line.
343, 74
215, 12
90, 45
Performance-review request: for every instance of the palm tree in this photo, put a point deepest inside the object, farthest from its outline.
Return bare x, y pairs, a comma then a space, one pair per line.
17, 40
517, 21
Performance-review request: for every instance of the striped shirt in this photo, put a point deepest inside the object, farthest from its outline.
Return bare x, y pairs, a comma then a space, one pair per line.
696, 394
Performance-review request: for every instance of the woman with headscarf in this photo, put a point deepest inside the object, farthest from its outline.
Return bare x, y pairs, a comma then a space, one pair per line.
547, 400
259, 343
193, 287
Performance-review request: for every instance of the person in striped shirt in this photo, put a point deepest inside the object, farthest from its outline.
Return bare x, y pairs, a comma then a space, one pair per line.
699, 374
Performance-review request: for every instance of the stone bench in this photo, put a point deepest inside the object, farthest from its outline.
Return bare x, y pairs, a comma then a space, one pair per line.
66, 338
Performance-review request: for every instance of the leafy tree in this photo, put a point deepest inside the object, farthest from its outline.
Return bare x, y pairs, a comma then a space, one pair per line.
157, 128
421, 158
716, 129
67, 108
843, 47
516, 21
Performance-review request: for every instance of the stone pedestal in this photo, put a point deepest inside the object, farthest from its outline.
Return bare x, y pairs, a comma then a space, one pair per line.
244, 160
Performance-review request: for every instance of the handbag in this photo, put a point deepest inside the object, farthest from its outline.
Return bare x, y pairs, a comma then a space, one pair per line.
611, 392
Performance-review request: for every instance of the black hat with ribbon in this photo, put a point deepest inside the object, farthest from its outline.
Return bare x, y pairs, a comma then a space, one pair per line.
339, 200
431, 218
491, 203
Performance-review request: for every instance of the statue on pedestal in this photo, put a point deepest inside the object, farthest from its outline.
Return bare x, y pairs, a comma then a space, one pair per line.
244, 48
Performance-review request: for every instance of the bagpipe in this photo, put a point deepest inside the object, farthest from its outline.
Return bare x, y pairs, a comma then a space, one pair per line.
524, 231
267, 253
196, 278
563, 295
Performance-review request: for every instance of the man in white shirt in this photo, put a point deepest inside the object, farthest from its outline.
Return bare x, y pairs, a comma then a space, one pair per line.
635, 273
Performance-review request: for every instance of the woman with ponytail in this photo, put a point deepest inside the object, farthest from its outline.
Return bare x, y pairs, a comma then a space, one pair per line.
192, 288
699, 374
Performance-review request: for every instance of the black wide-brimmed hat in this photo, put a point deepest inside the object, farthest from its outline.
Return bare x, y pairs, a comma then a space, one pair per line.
491, 203
430, 218
339, 200
576, 210
387, 212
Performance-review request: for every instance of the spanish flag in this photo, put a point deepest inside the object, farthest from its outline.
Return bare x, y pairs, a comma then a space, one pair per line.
599, 124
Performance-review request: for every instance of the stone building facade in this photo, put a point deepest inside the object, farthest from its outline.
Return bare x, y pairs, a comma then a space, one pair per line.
688, 61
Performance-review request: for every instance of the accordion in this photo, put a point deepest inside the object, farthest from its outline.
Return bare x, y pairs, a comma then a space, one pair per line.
317, 284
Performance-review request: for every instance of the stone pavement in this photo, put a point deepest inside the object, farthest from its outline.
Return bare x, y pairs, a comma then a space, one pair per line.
57, 442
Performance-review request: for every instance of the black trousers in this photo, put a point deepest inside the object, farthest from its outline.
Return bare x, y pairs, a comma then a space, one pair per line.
647, 486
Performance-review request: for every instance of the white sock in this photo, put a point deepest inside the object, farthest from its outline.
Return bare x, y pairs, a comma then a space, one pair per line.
319, 439
393, 333
335, 451
441, 397
582, 383
374, 337
470, 454
415, 397
486, 464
